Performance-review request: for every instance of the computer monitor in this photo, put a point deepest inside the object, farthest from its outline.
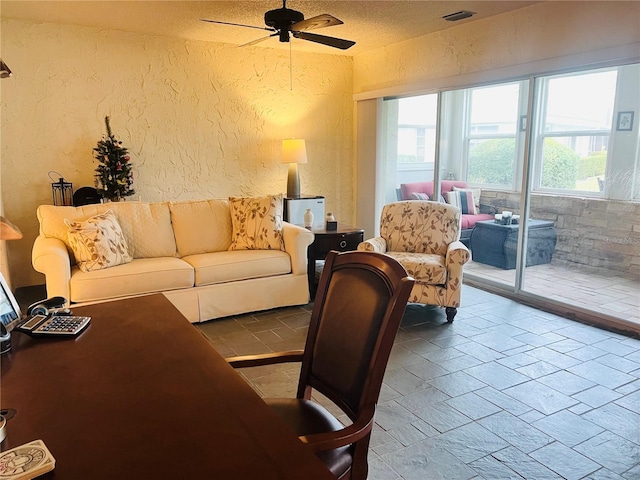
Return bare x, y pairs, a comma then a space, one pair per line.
9, 308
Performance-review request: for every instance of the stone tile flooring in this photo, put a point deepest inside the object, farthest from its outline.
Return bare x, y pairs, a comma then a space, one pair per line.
505, 392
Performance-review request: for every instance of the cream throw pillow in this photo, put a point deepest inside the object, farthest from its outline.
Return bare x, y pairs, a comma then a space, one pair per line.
98, 242
256, 223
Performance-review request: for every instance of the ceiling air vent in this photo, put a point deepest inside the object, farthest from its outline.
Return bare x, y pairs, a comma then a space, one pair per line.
454, 17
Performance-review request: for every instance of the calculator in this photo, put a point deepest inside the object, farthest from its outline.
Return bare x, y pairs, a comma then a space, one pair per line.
54, 326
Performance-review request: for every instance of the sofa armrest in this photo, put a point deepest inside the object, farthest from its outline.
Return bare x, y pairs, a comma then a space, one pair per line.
376, 244
50, 256
296, 242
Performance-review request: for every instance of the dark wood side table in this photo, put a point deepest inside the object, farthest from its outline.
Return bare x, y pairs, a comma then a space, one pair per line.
344, 239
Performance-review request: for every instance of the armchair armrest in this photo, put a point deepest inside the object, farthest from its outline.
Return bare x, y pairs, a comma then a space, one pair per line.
346, 436
265, 359
457, 255
376, 244
296, 242
50, 256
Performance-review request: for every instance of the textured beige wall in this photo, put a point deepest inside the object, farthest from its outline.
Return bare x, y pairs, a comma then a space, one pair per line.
200, 119
538, 32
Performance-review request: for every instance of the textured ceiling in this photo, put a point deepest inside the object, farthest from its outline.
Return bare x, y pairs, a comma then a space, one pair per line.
371, 24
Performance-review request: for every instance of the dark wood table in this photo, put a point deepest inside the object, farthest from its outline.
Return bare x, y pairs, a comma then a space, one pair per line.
142, 394
343, 239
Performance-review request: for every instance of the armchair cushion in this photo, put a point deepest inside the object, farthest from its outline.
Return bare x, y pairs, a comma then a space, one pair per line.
305, 418
423, 267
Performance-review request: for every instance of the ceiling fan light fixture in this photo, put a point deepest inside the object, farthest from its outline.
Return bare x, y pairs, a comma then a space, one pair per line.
284, 22
461, 15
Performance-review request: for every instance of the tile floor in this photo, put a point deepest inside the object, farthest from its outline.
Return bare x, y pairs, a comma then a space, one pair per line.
505, 392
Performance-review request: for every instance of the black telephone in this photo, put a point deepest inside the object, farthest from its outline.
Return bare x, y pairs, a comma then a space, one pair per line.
49, 306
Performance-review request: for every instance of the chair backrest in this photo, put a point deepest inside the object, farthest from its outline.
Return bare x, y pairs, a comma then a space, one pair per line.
359, 305
406, 189
417, 226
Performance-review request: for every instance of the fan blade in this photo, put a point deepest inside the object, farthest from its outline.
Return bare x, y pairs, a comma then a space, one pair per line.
258, 40
330, 41
324, 20
238, 24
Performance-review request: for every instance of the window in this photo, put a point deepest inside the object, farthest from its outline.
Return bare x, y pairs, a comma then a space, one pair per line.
575, 122
576, 147
491, 135
417, 129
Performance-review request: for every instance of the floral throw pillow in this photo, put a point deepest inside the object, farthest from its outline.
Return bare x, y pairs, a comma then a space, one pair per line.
256, 223
98, 242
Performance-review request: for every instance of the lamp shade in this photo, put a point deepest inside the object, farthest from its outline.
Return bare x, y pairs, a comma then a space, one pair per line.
294, 150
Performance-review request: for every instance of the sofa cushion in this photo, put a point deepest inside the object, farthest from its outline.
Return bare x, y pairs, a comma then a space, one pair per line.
423, 267
256, 223
146, 226
406, 189
469, 221
140, 276
237, 265
201, 226
98, 242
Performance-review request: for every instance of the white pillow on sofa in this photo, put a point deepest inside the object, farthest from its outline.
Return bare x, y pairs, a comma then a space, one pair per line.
98, 242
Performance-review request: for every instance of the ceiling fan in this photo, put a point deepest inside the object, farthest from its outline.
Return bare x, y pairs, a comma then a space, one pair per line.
284, 22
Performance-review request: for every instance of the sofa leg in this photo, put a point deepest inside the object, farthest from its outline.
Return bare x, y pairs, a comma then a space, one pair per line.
451, 313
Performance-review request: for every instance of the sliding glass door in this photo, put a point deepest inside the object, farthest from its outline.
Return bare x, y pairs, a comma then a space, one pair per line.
559, 153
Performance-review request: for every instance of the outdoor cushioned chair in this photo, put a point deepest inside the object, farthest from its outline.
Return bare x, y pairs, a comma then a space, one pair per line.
359, 304
424, 237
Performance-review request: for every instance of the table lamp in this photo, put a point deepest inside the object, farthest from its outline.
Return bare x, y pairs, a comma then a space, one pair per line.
294, 152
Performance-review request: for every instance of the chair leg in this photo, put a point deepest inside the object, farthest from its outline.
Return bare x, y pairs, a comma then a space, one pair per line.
451, 313
360, 466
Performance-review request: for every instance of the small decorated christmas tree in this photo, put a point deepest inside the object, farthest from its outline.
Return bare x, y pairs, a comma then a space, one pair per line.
113, 174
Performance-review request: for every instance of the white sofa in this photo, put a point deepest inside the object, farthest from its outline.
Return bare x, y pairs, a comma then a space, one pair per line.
179, 249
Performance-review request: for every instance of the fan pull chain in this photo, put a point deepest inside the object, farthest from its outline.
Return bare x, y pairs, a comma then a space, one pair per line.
290, 68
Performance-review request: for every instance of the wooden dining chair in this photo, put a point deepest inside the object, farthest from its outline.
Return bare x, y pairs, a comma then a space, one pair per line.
359, 304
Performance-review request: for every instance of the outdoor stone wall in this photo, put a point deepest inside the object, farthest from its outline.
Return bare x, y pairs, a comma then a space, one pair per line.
592, 232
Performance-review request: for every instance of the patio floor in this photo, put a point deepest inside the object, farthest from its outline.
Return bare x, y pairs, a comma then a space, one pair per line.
602, 291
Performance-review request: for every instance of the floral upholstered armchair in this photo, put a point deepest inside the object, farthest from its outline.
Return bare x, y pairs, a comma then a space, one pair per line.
424, 237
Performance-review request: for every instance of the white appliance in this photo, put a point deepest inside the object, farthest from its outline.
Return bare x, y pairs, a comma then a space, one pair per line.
294, 209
